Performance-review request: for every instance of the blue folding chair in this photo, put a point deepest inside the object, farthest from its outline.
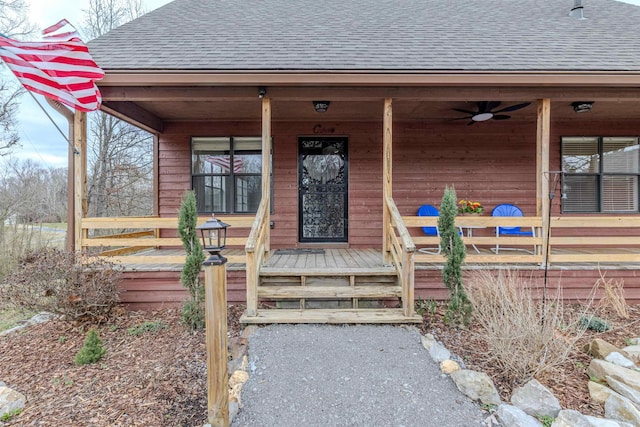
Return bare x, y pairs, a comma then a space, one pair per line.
430, 210
511, 210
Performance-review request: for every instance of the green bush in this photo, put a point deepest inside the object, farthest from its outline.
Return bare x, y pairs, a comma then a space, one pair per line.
594, 323
91, 351
193, 309
459, 309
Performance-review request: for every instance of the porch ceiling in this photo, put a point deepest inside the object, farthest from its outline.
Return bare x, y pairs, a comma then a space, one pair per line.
154, 105
372, 110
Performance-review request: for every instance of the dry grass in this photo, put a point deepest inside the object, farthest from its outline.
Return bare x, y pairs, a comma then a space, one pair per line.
525, 336
612, 295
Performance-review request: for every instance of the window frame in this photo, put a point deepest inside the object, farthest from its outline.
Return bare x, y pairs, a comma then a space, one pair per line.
230, 199
600, 175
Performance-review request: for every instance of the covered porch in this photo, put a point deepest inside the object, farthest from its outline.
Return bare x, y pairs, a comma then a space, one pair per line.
403, 150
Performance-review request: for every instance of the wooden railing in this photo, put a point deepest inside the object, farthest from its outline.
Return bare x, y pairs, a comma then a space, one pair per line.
401, 252
487, 239
148, 235
257, 250
598, 239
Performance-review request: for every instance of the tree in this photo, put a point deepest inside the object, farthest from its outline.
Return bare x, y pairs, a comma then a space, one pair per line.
193, 310
120, 156
459, 310
13, 23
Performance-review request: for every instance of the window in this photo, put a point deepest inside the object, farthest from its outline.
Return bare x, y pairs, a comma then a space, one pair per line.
226, 174
600, 174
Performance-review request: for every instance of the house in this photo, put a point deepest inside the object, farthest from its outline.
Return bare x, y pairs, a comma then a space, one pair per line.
317, 129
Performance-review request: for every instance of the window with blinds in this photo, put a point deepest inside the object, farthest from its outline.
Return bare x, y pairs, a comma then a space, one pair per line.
600, 174
226, 174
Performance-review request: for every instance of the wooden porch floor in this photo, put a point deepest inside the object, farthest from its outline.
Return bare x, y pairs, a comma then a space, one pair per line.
345, 260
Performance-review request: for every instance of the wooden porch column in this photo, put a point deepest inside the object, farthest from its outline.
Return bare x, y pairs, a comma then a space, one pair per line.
266, 168
79, 175
387, 176
542, 170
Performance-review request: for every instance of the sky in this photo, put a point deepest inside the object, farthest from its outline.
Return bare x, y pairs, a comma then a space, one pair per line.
40, 140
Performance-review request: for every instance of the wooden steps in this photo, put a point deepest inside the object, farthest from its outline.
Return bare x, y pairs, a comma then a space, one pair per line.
308, 292
387, 315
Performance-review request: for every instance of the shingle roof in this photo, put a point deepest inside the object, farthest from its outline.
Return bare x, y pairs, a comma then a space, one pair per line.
376, 35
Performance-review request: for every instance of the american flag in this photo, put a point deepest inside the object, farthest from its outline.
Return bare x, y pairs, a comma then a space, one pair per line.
59, 67
223, 162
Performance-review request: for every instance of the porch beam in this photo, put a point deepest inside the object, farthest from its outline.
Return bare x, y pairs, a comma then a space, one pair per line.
542, 169
134, 114
79, 176
387, 177
266, 168
113, 94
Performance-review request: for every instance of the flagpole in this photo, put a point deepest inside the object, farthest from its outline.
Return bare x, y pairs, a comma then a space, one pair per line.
75, 151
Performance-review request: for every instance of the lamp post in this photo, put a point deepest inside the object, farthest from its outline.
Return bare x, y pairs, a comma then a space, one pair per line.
214, 239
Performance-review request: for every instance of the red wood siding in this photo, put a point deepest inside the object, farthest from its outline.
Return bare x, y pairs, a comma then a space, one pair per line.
493, 162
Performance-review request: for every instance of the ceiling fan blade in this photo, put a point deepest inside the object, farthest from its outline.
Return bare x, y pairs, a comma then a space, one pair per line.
460, 118
500, 117
460, 110
482, 107
492, 104
472, 122
513, 107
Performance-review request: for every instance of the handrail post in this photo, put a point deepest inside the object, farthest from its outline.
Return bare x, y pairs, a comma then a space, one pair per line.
266, 168
387, 177
543, 202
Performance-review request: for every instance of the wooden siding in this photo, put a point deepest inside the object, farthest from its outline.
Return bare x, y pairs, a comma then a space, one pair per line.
491, 162
154, 289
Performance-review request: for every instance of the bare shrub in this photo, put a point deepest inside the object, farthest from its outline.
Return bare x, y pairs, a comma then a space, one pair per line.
75, 285
525, 337
15, 241
612, 295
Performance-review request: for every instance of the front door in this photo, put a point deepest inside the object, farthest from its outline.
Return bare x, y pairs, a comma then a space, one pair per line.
323, 197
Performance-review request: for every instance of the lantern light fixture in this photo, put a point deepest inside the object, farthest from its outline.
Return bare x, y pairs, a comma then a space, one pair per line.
214, 239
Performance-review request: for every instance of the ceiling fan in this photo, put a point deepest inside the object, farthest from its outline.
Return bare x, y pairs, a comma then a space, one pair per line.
484, 111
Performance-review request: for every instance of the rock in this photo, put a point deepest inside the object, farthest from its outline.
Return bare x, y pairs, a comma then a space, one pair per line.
238, 377
449, 366
599, 348
510, 416
570, 418
535, 399
600, 369
436, 350
618, 359
10, 400
234, 408
620, 408
602, 422
632, 350
624, 390
477, 386
599, 392
248, 331
238, 347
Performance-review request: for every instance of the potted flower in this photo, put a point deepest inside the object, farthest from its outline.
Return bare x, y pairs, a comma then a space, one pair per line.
469, 207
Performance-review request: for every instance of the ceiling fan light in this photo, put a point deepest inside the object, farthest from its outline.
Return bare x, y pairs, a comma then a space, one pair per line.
482, 117
582, 106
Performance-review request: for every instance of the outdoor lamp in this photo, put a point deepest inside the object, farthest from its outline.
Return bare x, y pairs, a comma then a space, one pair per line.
214, 239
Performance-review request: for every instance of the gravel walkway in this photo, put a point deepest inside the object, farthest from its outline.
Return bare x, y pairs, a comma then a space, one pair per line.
320, 375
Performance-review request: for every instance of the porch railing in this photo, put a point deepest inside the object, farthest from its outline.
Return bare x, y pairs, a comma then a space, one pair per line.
257, 250
485, 225
401, 251
598, 239
144, 233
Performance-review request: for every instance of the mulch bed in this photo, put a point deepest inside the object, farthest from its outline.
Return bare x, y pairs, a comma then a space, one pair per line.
159, 378
567, 382
153, 379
